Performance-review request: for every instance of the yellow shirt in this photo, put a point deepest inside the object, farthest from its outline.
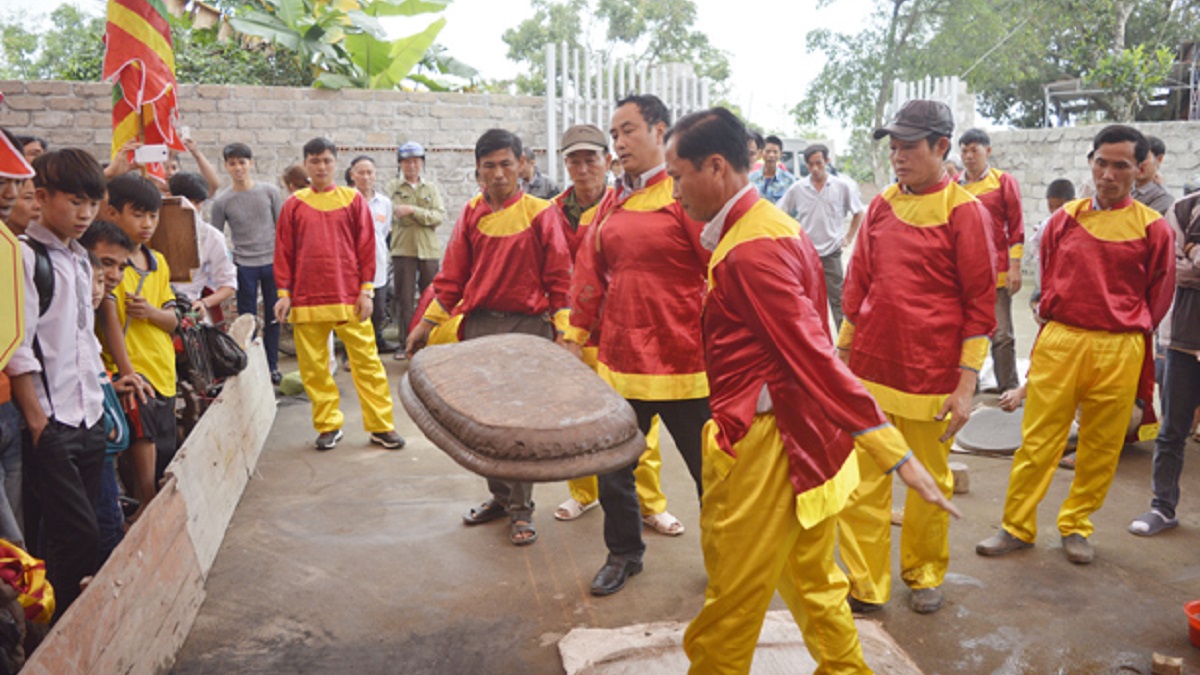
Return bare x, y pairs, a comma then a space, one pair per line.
151, 350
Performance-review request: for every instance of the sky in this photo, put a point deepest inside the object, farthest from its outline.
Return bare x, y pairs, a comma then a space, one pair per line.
765, 44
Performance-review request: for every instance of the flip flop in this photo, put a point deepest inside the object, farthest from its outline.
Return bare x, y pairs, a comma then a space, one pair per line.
1151, 523
518, 528
664, 523
572, 509
1067, 461
485, 513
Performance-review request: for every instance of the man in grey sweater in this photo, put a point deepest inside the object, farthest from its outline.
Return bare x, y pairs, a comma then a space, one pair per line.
251, 210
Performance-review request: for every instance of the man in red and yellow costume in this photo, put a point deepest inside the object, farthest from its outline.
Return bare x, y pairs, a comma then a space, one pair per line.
1001, 196
585, 153
324, 270
1108, 277
920, 302
779, 458
507, 270
642, 262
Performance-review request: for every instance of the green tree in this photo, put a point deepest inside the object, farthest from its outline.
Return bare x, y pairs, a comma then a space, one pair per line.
72, 48
1130, 76
647, 32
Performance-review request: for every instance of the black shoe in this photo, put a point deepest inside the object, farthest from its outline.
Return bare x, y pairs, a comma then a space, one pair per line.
611, 578
384, 346
861, 607
276, 377
329, 439
388, 439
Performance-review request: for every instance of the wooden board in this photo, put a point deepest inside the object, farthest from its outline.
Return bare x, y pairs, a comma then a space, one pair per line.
138, 610
175, 238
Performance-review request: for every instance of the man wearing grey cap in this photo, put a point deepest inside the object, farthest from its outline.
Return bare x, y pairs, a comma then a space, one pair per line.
417, 212
919, 302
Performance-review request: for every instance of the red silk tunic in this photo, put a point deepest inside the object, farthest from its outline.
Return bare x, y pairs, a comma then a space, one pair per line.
324, 253
1110, 270
642, 262
920, 296
765, 324
1001, 196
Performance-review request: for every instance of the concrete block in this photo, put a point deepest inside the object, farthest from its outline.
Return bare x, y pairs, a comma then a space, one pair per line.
13, 119
962, 477
197, 105
236, 105
443, 110
25, 102
290, 121
273, 136
269, 105
1161, 664
212, 91
48, 88
254, 121
375, 109
54, 119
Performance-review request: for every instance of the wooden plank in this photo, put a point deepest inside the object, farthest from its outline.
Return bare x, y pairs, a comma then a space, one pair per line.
137, 598
216, 461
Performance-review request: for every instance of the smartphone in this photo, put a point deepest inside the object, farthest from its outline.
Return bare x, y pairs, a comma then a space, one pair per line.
148, 154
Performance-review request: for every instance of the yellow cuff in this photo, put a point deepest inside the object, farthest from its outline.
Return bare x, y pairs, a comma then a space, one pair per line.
562, 320
884, 444
1016, 251
974, 352
577, 335
845, 335
436, 314
283, 293
367, 287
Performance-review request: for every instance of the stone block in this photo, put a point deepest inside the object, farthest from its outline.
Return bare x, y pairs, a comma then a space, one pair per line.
54, 119
464, 123
236, 105
270, 105
254, 121
14, 119
290, 121
377, 109
443, 110
380, 138
48, 88
73, 137
212, 91
197, 105
25, 102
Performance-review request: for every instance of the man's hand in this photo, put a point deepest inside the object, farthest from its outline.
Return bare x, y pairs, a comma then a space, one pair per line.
402, 210
1014, 276
121, 164
1011, 399
363, 306
918, 479
282, 307
574, 347
200, 308
958, 405
133, 385
418, 338
137, 307
190, 144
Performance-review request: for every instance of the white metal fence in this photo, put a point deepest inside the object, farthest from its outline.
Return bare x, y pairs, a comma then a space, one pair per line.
583, 86
949, 90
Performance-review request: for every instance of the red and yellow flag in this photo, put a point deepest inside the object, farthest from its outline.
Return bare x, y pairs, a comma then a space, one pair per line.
140, 63
27, 575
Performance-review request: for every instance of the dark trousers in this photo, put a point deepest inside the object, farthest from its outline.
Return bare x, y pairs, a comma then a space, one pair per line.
64, 475
835, 276
249, 281
413, 275
109, 517
618, 490
516, 496
1004, 348
379, 312
1180, 398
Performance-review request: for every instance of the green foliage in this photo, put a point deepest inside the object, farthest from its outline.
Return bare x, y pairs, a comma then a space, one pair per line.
650, 32
201, 58
71, 49
1130, 76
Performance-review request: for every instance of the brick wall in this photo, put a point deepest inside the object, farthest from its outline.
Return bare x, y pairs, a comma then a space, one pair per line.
276, 121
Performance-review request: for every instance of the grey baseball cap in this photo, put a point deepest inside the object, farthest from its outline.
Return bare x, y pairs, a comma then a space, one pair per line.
919, 119
584, 137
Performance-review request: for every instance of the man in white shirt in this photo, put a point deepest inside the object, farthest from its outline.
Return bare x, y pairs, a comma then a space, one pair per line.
362, 177
821, 203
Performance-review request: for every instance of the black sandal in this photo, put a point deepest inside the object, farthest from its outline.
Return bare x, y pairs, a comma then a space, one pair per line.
520, 527
485, 513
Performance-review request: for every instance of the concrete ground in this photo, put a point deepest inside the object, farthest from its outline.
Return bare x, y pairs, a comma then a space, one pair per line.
356, 560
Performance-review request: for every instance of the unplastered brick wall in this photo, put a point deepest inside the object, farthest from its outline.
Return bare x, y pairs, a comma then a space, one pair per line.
1035, 157
276, 121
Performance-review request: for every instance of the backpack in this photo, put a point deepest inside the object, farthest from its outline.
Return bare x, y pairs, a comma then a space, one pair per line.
43, 273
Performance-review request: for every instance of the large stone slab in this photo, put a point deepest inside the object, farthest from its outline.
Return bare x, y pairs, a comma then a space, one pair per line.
658, 648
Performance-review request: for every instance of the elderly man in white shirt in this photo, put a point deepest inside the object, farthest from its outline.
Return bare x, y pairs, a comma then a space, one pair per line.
362, 176
821, 202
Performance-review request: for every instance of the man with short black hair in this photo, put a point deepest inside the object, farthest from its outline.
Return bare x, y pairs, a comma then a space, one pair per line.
251, 210
778, 453
1001, 196
1108, 276
1149, 189
507, 270
920, 302
773, 179
644, 270
821, 203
